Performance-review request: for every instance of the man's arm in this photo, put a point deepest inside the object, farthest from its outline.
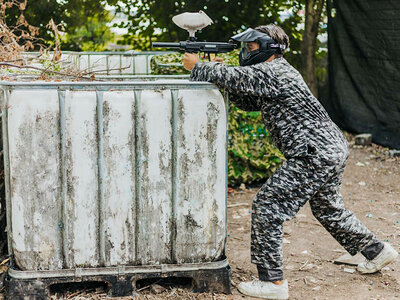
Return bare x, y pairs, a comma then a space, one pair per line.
246, 81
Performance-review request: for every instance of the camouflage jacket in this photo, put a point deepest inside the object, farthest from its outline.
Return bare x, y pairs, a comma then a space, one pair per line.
294, 118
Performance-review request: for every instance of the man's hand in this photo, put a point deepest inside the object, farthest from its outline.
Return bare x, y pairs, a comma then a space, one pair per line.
189, 60
218, 59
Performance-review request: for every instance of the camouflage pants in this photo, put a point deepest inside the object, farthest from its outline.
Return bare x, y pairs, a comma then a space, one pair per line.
300, 180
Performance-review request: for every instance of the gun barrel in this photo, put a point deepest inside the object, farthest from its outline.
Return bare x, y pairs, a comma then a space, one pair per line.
194, 46
165, 45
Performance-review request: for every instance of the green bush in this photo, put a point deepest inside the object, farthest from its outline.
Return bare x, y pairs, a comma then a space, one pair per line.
168, 64
251, 155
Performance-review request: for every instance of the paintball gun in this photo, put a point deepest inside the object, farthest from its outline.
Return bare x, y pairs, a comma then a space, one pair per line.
193, 22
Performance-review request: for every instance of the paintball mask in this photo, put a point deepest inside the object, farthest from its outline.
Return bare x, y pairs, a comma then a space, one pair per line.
268, 47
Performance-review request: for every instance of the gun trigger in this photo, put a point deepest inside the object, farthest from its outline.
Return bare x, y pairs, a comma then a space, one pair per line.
211, 56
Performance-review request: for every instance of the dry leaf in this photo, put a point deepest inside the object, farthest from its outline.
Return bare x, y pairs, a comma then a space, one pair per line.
57, 55
22, 6
21, 20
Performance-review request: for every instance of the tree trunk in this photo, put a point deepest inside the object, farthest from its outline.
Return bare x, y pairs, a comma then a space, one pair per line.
313, 15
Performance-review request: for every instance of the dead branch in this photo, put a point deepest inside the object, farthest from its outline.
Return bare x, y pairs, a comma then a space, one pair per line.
105, 70
44, 70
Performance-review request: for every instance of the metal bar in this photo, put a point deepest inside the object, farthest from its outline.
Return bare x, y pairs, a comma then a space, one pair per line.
138, 97
157, 85
88, 63
141, 77
120, 64
85, 272
147, 64
4, 108
64, 229
107, 65
127, 77
226, 100
79, 62
126, 53
100, 164
132, 162
170, 65
174, 101
133, 65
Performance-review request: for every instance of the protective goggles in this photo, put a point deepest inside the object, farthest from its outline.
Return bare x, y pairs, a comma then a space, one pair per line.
252, 35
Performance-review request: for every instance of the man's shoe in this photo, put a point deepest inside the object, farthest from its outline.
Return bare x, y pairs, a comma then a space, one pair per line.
385, 257
264, 289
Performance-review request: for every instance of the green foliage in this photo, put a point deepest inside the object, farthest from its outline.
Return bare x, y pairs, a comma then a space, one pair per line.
153, 19
147, 17
91, 36
85, 22
86, 25
169, 64
136, 41
251, 155
321, 65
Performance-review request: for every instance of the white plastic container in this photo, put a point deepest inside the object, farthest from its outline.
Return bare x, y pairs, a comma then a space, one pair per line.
114, 173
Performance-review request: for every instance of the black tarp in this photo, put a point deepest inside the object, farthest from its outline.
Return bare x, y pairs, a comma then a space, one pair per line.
364, 68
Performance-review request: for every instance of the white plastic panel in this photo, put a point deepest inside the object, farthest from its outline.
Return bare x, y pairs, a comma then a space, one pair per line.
82, 62
98, 63
119, 177
200, 209
33, 131
120, 64
82, 181
155, 177
142, 64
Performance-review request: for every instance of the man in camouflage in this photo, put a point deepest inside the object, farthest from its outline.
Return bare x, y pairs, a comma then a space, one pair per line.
315, 149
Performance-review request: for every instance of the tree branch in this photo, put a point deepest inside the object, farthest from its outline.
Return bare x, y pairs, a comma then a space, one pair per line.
42, 70
105, 70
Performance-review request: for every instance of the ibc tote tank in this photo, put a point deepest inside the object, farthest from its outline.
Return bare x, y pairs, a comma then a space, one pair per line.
116, 181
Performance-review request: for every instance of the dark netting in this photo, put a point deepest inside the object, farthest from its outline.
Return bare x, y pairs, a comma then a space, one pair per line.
364, 68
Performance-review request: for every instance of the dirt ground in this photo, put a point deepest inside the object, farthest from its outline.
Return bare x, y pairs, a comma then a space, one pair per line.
371, 189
